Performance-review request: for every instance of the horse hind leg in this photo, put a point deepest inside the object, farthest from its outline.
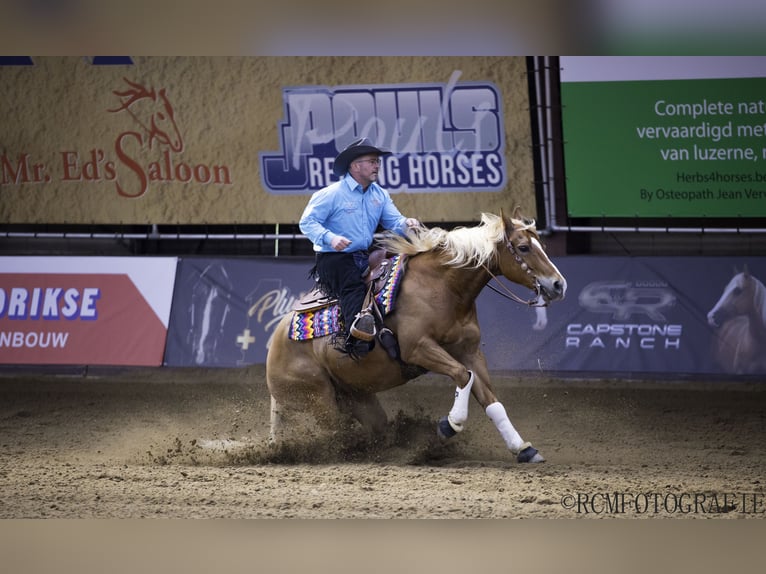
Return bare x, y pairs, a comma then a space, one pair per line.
283, 429
276, 424
305, 421
367, 410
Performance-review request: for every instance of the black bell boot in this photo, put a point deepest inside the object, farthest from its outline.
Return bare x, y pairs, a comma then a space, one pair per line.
357, 349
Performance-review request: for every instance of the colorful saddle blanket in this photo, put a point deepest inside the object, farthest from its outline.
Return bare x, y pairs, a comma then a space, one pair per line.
326, 320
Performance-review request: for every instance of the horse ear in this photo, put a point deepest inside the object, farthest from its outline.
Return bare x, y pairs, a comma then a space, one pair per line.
507, 223
518, 215
745, 270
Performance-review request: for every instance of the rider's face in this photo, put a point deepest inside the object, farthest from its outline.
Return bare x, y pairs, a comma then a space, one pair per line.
365, 169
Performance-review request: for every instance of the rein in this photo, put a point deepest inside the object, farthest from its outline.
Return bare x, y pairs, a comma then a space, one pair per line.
508, 294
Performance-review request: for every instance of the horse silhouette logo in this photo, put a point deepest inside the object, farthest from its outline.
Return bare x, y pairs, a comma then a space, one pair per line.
152, 110
739, 320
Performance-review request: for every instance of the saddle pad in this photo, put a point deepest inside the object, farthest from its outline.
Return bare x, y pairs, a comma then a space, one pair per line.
317, 323
326, 321
386, 296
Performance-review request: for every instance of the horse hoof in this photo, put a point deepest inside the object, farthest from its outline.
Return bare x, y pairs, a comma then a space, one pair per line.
530, 454
444, 429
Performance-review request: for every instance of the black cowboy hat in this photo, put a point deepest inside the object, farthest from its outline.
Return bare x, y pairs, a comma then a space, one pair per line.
355, 149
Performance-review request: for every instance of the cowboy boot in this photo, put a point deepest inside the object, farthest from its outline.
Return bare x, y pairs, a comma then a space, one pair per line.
363, 327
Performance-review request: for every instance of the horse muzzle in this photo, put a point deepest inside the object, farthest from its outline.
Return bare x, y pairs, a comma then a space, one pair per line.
551, 289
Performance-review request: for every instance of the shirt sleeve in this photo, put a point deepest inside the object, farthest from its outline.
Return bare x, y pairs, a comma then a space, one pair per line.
312, 221
390, 217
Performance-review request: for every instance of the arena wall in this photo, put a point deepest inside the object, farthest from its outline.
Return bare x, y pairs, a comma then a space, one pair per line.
643, 316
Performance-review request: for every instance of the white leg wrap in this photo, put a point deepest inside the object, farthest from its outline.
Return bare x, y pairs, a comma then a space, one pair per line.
496, 412
459, 412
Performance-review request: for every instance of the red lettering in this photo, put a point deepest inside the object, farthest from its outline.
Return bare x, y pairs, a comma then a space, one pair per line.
91, 169
131, 164
20, 174
110, 172
71, 166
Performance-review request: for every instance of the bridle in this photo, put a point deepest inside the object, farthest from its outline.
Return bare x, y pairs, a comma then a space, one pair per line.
506, 292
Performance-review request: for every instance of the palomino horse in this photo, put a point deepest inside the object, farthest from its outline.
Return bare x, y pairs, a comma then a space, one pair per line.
435, 323
740, 319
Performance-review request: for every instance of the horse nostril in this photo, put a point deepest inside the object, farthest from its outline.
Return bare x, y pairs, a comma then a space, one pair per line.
558, 286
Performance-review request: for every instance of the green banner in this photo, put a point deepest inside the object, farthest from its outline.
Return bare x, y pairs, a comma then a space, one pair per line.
665, 148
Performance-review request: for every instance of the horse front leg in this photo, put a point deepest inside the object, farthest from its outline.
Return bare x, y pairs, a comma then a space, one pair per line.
436, 359
494, 409
432, 357
523, 450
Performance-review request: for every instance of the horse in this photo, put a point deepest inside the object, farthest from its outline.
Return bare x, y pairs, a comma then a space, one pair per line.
739, 318
435, 325
155, 114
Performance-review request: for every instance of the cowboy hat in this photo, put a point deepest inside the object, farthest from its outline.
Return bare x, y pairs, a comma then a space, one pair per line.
355, 149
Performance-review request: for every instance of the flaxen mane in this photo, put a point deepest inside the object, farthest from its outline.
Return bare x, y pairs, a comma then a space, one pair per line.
462, 246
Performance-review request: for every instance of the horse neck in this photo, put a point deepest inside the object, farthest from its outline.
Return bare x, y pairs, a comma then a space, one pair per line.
461, 284
466, 282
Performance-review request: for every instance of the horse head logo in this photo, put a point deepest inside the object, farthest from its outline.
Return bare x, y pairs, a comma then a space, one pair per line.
152, 110
744, 295
739, 320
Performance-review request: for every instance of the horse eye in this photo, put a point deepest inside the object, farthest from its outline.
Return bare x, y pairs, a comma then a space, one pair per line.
524, 248
737, 291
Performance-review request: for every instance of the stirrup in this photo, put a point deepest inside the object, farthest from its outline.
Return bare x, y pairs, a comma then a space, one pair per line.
363, 326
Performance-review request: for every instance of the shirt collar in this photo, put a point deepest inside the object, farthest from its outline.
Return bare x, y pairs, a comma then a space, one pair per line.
354, 185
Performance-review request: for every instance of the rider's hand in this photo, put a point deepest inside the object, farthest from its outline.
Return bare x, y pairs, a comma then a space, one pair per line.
411, 222
339, 243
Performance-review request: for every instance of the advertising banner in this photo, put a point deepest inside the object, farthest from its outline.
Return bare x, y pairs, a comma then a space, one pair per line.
224, 310
665, 137
664, 315
246, 140
661, 315
84, 310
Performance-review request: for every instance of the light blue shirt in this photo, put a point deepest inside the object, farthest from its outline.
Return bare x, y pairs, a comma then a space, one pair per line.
343, 208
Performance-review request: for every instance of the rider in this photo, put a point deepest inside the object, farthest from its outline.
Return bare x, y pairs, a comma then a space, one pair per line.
340, 220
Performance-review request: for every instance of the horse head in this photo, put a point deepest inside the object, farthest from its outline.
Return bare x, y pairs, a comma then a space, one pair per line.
738, 298
523, 260
152, 110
